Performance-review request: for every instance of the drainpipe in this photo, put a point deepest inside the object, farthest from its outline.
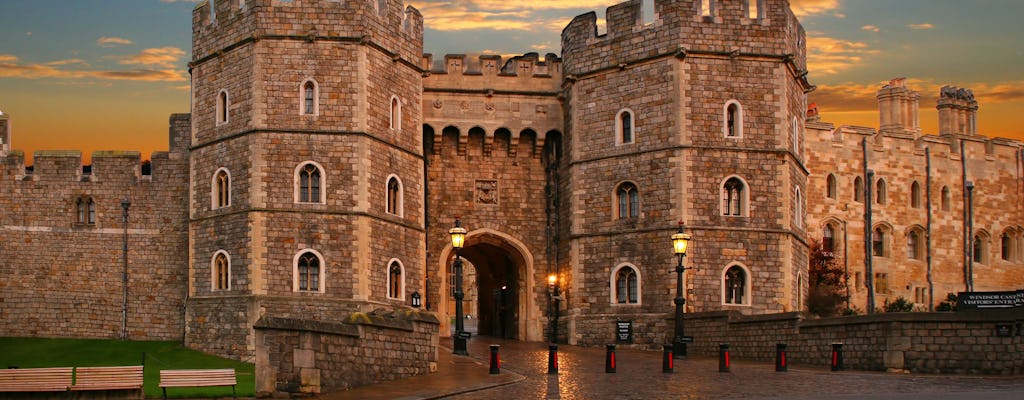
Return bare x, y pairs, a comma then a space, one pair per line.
846, 264
928, 234
966, 240
869, 279
970, 236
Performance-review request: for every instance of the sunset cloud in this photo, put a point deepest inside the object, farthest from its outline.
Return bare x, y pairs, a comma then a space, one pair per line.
920, 26
870, 28
830, 56
804, 8
862, 97
107, 41
166, 57
12, 67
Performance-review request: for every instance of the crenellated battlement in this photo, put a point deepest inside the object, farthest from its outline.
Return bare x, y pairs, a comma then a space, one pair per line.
387, 23
728, 28
493, 73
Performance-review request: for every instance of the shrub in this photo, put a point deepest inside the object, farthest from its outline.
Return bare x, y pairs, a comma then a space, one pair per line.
899, 305
949, 304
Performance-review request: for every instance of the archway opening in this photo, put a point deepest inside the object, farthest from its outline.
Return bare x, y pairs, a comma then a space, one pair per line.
494, 288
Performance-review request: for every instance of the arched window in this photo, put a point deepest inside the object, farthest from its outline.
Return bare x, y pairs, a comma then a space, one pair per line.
309, 182
796, 136
1006, 246
394, 196
308, 272
880, 191
223, 104
945, 198
624, 127
396, 283
980, 249
85, 209
625, 285
733, 119
734, 197
736, 286
831, 191
915, 246
396, 113
310, 95
915, 195
628, 198
858, 190
798, 209
221, 189
878, 242
828, 238
220, 271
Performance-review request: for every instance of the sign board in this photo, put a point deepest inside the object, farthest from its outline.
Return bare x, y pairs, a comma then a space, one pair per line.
970, 301
685, 339
1004, 330
624, 331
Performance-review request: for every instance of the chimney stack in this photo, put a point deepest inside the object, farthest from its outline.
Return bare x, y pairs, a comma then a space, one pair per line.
958, 111
897, 109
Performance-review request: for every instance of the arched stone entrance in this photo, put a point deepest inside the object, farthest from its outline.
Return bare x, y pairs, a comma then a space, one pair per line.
503, 270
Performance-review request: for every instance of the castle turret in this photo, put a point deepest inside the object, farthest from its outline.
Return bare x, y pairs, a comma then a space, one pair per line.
958, 111
5, 133
897, 109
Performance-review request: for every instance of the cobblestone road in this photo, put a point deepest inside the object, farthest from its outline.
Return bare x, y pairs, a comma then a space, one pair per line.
639, 376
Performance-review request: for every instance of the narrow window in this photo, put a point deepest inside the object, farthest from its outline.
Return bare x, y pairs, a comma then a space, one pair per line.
798, 209
754, 9
913, 246
880, 191
223, 104
858, 190
221, 189
626, 286
878, 243
945, 198
796, 136
735, 285
733, 197
310, 181
309, 98
915, 195
396, 113
624, 127
705, 8
92, 211
221, 272
830, 187
979, 249
394, 196
395, 280
1006, 246
733, 120
628, 200
85, 208
828, 239
308, 271
881, 282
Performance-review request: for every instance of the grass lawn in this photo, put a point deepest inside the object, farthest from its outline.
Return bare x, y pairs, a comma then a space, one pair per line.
155, 356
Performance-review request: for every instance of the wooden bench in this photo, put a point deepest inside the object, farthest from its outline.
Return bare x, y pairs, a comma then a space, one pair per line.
35, 379
108, 378
196, 378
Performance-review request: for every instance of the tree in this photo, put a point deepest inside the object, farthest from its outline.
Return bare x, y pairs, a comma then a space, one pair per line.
827, 291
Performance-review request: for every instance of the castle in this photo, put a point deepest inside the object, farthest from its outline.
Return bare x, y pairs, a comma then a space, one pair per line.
325, 159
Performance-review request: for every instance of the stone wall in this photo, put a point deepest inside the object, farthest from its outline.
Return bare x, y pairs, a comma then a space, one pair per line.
960, 343
63, 277
302, 356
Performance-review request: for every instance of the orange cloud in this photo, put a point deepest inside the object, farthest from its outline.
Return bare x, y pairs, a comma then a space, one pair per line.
830, 56
804, 8
11, 67
165, 57
870, 28
861, 97
920, 26
107, 41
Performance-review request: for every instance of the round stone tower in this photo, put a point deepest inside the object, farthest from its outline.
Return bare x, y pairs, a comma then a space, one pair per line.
697, 117
306, 167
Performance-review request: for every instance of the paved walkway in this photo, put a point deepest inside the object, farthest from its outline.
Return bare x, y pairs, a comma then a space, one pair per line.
524, 376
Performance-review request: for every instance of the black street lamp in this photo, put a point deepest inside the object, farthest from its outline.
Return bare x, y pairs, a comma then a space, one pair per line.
680, 241
124, 277
556, 295
458, 234
416, 299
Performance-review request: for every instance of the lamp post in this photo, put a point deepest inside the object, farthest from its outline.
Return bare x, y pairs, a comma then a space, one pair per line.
680, 241
124, 276
556, 295
458, 234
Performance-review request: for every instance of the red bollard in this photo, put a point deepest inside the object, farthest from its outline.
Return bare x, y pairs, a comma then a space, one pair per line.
666, 359
609, 358
495, 360
837, 356
723, 358
553, 359
780, 358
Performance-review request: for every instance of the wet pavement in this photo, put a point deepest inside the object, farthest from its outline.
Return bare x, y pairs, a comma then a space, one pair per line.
639, 376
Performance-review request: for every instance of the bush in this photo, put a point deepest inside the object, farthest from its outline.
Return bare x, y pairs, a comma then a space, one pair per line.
949, 304
899, 305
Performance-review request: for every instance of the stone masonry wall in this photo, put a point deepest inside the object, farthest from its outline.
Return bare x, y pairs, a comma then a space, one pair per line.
301, 356
954, 343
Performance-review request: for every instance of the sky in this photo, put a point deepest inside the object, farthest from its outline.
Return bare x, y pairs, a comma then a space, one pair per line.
106, 74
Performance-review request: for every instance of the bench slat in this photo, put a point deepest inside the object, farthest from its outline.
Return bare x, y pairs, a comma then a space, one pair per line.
108, 378
35, 379
197, 377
